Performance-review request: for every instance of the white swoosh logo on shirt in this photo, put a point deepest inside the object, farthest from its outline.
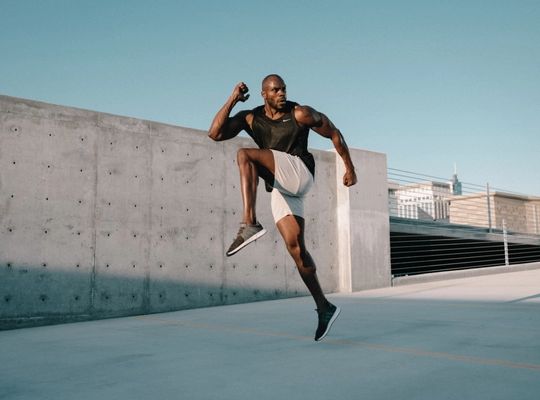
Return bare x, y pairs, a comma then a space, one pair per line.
286, 120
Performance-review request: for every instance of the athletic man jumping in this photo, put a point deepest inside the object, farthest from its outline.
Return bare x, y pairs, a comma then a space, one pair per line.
280, 128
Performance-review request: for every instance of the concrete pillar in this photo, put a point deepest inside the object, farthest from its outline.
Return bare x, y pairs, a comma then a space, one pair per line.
363, 224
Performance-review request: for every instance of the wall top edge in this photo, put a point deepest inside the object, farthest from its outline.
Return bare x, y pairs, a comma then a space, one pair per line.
41, 109
11, 104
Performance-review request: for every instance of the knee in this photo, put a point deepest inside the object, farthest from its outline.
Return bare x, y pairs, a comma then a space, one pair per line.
297, 252
242, 157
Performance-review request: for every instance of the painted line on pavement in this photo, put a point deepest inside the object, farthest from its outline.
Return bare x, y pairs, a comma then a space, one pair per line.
349, 342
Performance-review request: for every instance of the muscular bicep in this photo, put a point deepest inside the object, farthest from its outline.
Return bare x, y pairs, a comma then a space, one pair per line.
317, 121
325, 127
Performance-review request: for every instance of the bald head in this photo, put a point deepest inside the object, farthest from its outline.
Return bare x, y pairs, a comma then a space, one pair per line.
272, 78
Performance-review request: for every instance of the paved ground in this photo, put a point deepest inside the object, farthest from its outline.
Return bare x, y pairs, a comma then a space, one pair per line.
475, 338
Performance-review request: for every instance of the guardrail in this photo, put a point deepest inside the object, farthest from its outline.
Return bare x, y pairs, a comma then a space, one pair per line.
442, 224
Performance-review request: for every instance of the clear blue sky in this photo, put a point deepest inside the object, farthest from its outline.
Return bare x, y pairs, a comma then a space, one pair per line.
430, 83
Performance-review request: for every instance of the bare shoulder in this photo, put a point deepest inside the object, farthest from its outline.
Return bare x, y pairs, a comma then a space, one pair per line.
249, 117
307, 115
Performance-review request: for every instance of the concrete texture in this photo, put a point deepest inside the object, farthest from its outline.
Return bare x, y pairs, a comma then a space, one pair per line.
364, 228
104, 216
474, 338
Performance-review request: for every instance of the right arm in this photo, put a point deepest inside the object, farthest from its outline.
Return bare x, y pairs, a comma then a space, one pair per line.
225, 127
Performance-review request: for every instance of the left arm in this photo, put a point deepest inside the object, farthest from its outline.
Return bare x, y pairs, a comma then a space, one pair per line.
321, 124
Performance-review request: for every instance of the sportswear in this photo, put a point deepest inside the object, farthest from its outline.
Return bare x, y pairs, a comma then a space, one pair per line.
283, 134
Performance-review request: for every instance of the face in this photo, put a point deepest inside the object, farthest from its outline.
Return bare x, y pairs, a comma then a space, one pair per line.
274, 93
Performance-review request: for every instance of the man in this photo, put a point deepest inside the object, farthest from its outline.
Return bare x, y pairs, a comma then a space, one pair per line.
280, 128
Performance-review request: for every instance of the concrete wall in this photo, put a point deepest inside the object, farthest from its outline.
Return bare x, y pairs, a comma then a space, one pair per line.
104, 216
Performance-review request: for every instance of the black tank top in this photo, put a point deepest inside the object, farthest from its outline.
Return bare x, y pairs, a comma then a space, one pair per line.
283, 134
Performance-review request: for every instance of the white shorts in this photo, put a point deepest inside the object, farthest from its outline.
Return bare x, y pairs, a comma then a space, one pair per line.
292, 181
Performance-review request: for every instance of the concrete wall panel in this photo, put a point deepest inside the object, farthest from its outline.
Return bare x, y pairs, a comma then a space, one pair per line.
102, 216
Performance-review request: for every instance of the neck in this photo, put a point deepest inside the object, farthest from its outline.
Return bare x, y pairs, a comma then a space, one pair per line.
273, 113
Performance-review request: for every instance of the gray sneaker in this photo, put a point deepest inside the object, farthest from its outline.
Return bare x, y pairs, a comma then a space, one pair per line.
246, 235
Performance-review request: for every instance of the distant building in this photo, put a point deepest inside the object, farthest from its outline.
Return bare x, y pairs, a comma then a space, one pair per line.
393, 188
425, 201
519, 213
456, 185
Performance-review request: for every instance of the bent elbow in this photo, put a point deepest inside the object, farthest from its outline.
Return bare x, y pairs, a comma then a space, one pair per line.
214, 135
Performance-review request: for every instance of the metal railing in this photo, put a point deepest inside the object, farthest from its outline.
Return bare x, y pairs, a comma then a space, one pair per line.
440, 224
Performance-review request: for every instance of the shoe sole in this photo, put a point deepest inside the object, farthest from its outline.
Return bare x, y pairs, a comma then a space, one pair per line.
251, 239
334, 317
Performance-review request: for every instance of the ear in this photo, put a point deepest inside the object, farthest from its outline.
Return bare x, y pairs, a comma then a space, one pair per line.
263, 94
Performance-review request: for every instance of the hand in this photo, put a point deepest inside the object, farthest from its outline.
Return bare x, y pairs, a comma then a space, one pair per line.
349, 178
240, 92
